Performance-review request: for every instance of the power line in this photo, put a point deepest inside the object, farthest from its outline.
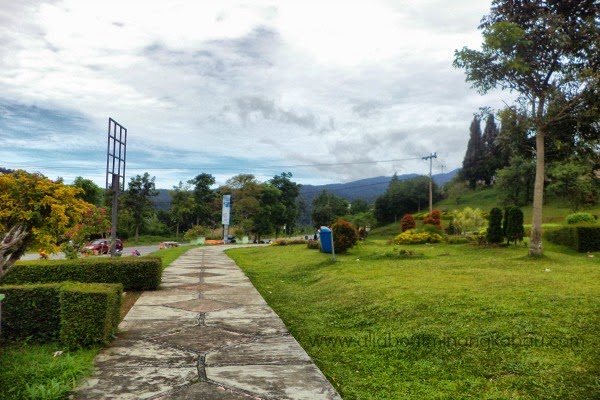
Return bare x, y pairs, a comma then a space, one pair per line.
219, 167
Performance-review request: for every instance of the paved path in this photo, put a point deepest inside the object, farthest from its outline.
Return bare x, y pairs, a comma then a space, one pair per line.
205, 334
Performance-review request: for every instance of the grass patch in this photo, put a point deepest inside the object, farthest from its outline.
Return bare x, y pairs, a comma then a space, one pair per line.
170, 254
452, 321
32, 372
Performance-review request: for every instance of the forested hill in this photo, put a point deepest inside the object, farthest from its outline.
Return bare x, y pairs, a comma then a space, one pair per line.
366, 189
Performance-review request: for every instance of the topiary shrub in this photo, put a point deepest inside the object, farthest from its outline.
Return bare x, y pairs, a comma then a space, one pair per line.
435, 219
135, 273
345, 236
414, 237
513, 225
580, 218
407, 222
89, 313
31, 311
79, 314
495, 233
580, 238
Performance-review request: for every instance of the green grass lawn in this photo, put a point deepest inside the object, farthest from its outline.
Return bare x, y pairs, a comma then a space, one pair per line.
449, 322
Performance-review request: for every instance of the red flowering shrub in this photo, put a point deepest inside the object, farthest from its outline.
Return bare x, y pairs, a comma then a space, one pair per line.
407, 222
435, 219
345, 236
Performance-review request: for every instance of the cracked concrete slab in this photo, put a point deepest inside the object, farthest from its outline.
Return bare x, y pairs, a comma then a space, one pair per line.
201, 305
144, 353
269, 350
207, 390
134, 383
202, 339
207, 334
160, 312
279, 381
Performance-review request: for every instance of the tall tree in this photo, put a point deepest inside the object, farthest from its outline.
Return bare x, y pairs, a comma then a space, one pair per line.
473, 168
402, 197
182, 205
91, 192
34, 211
203, 197
289, 200
137, 200
542, 50
492, 160
326, 207
245, 191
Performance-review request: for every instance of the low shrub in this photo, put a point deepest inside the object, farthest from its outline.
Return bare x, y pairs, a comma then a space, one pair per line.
414, 237
79, 314
285, 242
457, 240
345, 236
313, 244
407, 222
89, 313
31, 311
579, 218
581, 238
135, 273
434, 218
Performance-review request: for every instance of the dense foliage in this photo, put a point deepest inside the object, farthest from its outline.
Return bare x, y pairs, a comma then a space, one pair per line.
35, 213
547, 52
402, 197
495, 233
77, 314
345, 236
407, 222
134, 273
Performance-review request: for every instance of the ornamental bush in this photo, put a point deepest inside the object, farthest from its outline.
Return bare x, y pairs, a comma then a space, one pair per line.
513, 224
345, 236
435, 219
579, 218
135, 273
79, 314
495, 234
407, 222
413, 237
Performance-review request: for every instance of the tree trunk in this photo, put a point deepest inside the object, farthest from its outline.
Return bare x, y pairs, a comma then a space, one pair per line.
137, 234
535, 245
12, 247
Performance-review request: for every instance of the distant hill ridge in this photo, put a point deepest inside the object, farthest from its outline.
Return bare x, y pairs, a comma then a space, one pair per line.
366, 189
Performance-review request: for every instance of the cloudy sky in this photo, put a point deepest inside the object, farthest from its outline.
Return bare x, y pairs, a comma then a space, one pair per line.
332, 91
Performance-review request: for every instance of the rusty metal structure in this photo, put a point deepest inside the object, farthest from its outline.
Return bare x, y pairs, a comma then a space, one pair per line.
115, 171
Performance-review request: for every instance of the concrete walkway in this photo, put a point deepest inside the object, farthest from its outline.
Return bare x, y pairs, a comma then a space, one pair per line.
206, 334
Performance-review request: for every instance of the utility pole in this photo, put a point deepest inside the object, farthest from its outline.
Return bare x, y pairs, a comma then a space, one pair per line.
430, 158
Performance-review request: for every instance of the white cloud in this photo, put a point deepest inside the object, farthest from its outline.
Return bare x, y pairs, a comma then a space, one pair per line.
239, 86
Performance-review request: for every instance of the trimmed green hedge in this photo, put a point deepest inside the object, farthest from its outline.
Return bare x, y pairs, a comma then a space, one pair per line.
31, 311
582, 238
79, 314
135, 273
89, 313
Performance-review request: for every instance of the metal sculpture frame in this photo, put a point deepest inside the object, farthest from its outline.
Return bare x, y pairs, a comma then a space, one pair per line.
115, 170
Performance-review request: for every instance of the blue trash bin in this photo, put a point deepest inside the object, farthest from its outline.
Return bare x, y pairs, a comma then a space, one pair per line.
325, 237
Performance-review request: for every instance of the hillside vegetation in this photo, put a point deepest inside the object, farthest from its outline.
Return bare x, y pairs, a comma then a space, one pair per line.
487, 198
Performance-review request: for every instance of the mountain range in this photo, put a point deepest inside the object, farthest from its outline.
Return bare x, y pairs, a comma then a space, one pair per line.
367, 189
